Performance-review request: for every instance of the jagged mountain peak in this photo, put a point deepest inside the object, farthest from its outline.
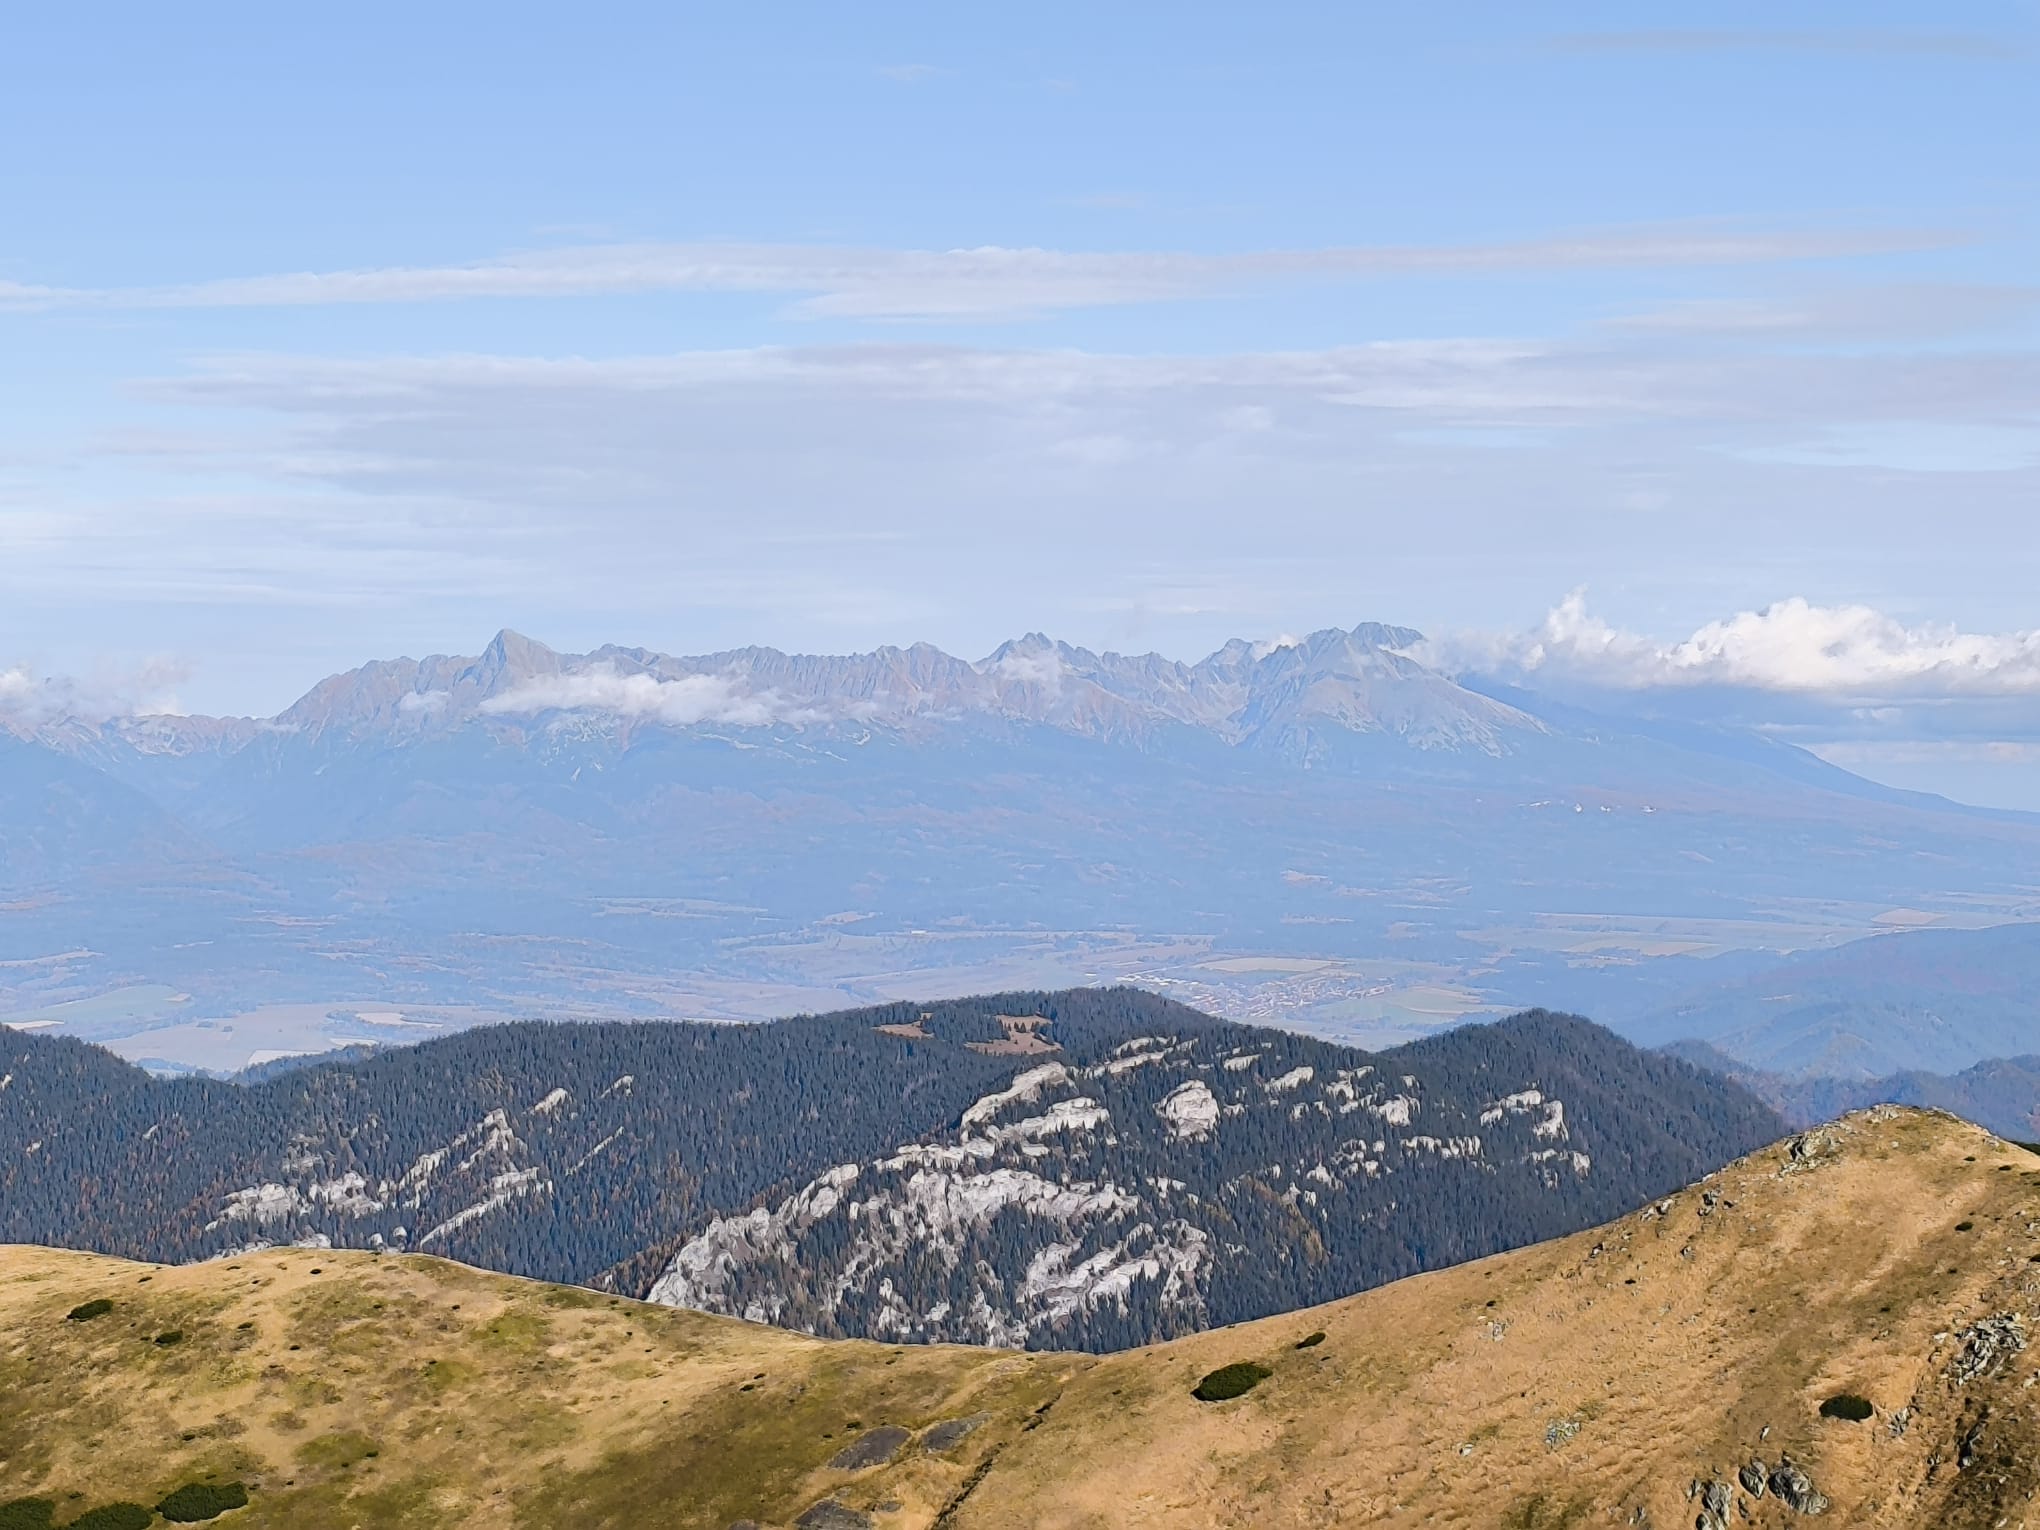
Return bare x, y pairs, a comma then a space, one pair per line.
512, 658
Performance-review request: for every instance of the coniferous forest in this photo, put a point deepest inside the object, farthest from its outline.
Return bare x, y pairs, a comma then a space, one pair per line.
1156, 1170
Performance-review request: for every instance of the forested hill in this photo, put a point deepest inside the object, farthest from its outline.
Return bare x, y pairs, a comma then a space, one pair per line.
1094, 1167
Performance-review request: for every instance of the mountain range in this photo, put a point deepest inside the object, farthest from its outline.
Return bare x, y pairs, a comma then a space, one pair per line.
623, 832
1092, 1169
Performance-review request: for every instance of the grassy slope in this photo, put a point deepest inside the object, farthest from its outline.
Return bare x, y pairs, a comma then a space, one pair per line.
1570, 1384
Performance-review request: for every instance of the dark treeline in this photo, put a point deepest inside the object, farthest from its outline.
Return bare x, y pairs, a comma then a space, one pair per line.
95, 1153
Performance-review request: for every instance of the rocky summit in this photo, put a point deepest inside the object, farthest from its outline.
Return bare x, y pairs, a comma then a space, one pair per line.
1838, 1328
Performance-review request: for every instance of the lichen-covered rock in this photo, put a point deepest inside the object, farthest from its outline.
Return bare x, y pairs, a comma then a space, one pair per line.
831, 1515
951, 1432
1986, 1346
1793, 1488
1716, 1499
874, 1447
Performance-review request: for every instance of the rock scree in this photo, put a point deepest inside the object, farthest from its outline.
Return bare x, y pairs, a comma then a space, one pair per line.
949, 1433
875, 1447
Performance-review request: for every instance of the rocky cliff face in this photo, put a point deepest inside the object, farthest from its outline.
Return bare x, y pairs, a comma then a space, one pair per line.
1177, 1182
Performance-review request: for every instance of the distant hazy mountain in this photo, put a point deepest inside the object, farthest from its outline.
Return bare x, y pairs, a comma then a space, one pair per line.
1329, 684
1931, 1001
2002, 1095
1087, 1169
631, 832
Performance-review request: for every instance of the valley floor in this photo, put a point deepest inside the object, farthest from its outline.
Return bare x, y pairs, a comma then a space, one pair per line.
1638, 1374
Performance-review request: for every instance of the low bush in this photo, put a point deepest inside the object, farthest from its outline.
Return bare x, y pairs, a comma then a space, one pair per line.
1847, 1405
85, 1312
115, 1516
174, 1336
28, 1514
1228, 1381
197, 1501
1311, 1340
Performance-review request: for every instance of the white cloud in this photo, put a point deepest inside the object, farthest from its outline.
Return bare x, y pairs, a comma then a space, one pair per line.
424, 701
680, 703
30, 700
1793, 646
1041, 668
1486, 382
987, 281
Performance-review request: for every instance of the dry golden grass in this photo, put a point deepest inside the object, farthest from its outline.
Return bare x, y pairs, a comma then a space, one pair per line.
1589, 1381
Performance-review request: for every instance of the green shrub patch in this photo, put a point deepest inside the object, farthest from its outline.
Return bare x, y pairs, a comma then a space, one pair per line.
28, 1514
174, 1336
114, 1516
1311, 1340
85, 1312
1228, 1381
197, 1501
1847, 1405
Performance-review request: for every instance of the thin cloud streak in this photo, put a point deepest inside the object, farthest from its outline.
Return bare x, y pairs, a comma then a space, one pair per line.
985, 282
1845, 41
1912, 310
1481, 381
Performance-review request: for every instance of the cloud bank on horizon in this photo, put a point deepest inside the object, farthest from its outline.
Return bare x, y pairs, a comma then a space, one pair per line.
1850, 653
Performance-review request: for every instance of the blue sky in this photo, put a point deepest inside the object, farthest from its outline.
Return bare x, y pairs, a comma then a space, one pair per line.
324, 337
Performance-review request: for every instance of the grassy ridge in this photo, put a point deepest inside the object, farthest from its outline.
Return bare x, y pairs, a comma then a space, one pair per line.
1851, 1310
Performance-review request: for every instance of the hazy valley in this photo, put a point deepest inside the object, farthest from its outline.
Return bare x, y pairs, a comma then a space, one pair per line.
1329, 835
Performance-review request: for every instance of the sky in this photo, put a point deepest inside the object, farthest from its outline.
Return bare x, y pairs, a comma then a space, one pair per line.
1684, 355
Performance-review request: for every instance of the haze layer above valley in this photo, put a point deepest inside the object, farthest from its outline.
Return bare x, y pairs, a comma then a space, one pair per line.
1329, 833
